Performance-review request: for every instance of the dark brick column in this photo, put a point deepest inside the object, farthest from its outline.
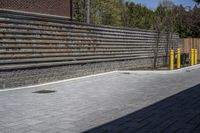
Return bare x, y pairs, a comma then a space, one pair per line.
53, 7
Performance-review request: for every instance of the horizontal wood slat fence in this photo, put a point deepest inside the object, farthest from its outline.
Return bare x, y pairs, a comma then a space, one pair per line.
32, 42
29, 41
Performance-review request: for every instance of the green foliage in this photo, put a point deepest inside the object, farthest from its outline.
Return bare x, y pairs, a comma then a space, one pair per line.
107, 12
166, 17
79, 10
139, 16
193, 22
197, 1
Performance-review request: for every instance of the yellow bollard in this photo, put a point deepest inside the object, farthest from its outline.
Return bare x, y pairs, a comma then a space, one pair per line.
192, 57
178, 58
171, 59
195, 57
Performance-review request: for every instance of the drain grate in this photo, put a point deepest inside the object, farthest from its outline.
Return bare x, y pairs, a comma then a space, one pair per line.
126, 73
187, 70
44, 91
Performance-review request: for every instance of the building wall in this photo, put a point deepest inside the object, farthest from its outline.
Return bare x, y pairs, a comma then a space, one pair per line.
53, 7
36, 49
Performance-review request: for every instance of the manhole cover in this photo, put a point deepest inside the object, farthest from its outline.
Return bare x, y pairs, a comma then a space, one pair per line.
127, 73
187, 70
44, 91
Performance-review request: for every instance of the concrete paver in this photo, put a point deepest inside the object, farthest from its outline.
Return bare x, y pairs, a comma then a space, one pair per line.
142, 102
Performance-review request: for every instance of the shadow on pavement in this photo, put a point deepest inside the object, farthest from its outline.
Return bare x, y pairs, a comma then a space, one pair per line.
179, 113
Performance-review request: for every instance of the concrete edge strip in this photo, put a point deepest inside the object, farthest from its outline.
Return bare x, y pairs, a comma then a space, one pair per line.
56, 82
189, 68
100, 74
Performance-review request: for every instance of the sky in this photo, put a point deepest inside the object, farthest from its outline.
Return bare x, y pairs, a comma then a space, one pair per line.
152, 4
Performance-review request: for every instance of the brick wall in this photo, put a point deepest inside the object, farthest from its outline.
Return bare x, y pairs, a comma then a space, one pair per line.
53, 7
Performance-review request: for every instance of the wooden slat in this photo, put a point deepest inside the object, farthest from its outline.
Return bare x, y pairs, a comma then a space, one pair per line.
189, 43
30, 41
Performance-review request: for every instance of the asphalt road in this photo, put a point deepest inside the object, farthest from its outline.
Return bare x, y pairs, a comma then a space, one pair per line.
127, 102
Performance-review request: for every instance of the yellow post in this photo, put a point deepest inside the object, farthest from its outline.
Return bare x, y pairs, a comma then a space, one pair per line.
171, 59
192, 57
195, 57
178, 58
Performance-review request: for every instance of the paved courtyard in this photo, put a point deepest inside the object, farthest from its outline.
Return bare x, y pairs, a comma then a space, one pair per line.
126, 102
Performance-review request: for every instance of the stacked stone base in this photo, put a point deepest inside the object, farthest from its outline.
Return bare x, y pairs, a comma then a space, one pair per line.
25, 77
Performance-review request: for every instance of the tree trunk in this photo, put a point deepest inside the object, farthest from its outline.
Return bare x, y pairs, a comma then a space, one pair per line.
156, 50
167, 49
88, 11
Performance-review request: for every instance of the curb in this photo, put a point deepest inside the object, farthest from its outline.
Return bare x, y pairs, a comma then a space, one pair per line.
189, 68
56, 82
100, 74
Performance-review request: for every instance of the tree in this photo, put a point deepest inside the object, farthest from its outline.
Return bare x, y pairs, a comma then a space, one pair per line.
158, 27
167, 4
108, 12
168, 25
139, 16
197, 1
193, 21
163, 21
87, 11
79, 10
126, 13
180, 24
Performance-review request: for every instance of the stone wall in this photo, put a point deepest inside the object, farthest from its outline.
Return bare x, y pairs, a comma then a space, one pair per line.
36, 48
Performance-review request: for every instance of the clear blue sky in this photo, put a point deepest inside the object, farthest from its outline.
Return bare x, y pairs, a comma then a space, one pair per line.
152, 4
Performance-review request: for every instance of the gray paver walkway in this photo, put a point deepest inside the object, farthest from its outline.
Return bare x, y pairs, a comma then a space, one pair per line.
142, 102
